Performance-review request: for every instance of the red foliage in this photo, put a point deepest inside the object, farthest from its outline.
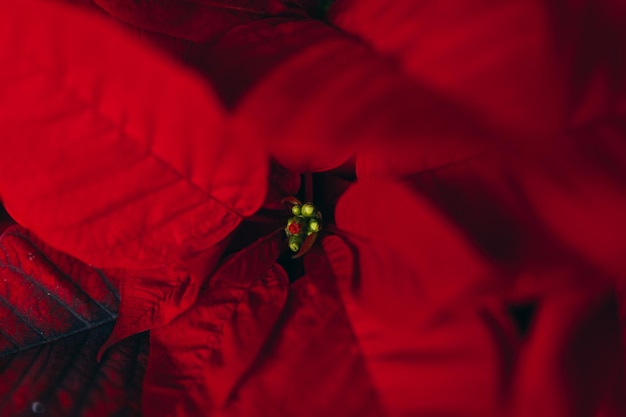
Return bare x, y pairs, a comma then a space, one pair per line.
471, 260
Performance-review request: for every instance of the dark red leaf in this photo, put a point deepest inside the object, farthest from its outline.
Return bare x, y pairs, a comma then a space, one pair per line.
580, 195
282, 182
55, 313
46, 295
573, 360
5, 219
563, 205
63, 378
483, 198
196, 20
198, 358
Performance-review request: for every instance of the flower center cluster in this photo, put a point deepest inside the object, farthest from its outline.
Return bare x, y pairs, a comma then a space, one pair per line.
303, 227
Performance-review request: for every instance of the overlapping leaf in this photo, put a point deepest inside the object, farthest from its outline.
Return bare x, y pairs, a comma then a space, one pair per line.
531, 70
401, 235
259, 67
470, 352
415, 319
546, 79
496, 58
197, 20
197, 359
314, 96
111, 152
581, 195
418, 287
312, 364
573, 360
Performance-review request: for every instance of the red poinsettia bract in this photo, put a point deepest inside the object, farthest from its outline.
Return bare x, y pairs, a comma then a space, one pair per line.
470, 164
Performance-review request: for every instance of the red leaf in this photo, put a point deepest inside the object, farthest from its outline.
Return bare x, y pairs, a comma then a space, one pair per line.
324, 360
197, 359
312, 365
453, 363
399, 234
315, 96
420, 303
46, 295
579, 194
421, 288
469, 362
547, 76
527, 71
111, 152
573, 360
484, 199
496, 58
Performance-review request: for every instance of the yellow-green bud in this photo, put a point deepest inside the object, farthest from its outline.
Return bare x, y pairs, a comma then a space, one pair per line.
308, 209
314, 226
294, 243
295, 210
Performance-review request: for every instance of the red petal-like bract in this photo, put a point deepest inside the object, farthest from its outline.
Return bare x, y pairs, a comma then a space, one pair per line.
315, 96
419, 304
111, 152
573, 361
197, 359
421, 359
496, 58
546, 80
418, 286
312, 365
401, 317
401, 235
118, 156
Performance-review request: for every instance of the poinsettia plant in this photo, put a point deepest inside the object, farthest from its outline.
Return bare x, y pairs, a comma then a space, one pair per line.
315, 209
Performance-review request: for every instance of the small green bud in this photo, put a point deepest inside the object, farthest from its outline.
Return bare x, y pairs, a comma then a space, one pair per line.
294, 243
296, 210
308, 209
314, 226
